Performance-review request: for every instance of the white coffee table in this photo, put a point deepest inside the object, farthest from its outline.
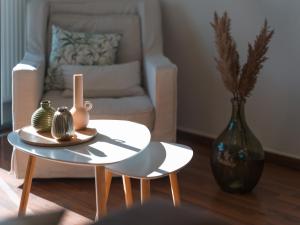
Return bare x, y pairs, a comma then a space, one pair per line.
116, 141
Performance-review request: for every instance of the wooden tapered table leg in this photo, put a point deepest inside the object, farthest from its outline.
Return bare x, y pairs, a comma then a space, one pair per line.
145, 190
127, 191
175, 189
100, 192
108, 177
27, 185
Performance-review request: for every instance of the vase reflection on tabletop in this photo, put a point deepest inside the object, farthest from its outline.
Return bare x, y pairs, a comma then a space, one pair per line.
238, 158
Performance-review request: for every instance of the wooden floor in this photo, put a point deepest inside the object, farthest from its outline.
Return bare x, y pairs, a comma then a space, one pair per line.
276, 199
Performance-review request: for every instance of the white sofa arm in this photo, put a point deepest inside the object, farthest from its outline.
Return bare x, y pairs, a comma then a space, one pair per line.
27, 88
161, 84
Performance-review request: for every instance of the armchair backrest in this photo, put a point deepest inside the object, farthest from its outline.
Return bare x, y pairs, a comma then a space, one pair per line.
138, 20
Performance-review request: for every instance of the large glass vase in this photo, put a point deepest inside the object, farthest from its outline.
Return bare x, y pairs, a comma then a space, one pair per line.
237, 158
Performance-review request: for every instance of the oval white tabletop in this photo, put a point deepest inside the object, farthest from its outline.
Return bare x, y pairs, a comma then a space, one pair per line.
159, 159
116, 141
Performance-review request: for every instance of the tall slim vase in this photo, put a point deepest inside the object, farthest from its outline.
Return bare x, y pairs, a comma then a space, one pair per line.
81, 108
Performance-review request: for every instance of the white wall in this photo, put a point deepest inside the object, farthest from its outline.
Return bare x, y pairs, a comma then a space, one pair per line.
273, 111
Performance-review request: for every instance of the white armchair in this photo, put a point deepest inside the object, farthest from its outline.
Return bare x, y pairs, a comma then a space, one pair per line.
157, 110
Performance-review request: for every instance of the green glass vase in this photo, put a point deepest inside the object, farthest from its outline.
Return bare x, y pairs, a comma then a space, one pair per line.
41, 119
237, 158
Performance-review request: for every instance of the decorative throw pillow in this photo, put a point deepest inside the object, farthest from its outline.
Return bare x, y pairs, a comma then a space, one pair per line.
117, 80
76, 48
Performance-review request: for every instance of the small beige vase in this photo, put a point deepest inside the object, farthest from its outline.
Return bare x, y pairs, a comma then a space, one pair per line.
80, 110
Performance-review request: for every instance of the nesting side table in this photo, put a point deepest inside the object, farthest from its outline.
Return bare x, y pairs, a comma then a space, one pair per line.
116, 141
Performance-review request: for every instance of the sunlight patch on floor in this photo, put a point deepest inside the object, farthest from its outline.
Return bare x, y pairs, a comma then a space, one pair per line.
10, 195
9, 192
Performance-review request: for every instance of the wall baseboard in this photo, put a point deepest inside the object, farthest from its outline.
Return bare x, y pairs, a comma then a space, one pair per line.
270, 157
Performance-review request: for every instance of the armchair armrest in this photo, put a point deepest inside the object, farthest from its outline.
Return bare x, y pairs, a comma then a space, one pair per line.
161, 84
27, 88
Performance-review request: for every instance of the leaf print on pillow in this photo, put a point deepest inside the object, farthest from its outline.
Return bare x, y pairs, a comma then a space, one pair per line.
76, 48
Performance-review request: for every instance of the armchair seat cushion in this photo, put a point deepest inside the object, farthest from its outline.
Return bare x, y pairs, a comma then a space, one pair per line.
136, 108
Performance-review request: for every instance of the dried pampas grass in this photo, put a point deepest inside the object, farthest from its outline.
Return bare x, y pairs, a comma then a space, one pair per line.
240, 82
